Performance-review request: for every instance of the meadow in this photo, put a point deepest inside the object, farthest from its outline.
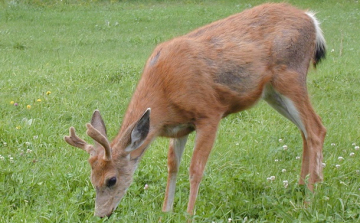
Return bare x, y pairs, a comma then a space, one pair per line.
61, 60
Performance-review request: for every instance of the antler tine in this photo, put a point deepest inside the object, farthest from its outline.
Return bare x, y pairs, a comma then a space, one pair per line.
75, 141
101, 139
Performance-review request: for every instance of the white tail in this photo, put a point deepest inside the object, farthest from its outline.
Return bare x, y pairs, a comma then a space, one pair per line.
193, 81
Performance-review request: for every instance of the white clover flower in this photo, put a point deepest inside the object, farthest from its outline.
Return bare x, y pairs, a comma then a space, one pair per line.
2, 158
356, 147
4, 143
237, 143
35, 137
285, 147
286, 183
340, 158
280, 140
11, 159
276, 160
323, 164
229, 220
354, 144
352, 154
298, 157
146, 186
283, 170
337, 166
27, 143
332, 50
28, 151
333, 144
272, 178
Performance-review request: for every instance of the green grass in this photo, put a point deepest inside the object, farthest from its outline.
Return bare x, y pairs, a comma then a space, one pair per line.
89, 55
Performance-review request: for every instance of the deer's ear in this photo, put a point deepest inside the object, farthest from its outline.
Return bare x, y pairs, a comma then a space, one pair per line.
98, 123
139, 132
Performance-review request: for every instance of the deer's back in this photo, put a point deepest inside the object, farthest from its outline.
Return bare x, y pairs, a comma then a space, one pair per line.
225, 65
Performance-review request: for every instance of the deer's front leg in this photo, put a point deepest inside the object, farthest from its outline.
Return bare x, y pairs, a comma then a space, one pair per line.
205, 137
176, 150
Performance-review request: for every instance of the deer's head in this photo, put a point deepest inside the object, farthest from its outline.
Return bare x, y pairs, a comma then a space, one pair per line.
111, 168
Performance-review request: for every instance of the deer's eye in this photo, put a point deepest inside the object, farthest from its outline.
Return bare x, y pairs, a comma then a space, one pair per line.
111, 182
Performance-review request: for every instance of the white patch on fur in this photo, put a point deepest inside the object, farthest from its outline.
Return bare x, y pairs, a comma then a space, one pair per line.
319, 165
320, 40
284, 106
294, 114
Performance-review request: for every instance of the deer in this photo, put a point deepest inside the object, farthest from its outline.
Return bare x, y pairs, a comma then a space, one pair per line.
190, 83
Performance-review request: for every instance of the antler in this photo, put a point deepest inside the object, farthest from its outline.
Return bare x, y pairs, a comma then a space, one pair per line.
101, 139
75, 141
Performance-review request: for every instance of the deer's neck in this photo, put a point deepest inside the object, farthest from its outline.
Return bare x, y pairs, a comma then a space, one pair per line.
143, 98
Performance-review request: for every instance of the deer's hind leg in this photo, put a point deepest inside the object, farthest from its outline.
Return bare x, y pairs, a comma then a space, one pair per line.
287, 94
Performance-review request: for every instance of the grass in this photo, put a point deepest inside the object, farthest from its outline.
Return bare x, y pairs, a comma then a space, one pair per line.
77, 56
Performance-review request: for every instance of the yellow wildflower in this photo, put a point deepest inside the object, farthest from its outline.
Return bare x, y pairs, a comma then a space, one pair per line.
28, 106
18, 127
48, 92
12, 102
38, 100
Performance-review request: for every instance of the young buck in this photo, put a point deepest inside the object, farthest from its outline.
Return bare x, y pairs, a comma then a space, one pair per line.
191, 82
